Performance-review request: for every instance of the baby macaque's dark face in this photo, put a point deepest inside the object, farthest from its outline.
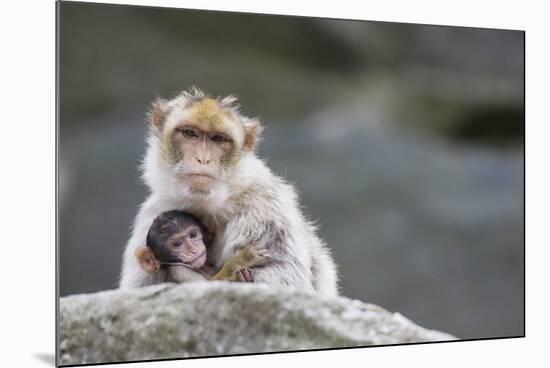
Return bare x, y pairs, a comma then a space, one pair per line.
174, 237
187, 245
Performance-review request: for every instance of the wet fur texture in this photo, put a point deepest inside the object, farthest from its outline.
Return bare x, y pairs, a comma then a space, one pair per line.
250, 206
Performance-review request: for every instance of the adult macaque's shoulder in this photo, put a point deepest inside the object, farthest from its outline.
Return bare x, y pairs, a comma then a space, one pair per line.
263, 192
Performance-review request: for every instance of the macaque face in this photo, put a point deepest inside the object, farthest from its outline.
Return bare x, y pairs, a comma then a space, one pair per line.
201, 139
174, 237
205, 155
187, 246
202, 143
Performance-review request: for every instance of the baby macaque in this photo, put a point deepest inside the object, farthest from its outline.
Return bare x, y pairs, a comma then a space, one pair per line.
176, 242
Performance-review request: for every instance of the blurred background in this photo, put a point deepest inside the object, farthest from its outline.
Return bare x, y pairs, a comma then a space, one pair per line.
406, 143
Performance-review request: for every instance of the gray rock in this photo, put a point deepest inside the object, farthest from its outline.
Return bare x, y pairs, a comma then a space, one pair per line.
217, 318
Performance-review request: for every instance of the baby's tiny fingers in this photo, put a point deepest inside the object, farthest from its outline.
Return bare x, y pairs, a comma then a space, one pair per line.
245, 275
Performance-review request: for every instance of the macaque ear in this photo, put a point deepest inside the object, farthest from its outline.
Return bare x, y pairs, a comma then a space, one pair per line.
147, 259
252, 130
157, 114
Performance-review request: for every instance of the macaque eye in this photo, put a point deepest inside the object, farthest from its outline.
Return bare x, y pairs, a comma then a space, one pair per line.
190, 133
193, 234
218, 138
177, 244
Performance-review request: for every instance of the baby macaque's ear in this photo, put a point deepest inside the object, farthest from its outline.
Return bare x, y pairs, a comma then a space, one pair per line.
252, 130
147, 259
157, 114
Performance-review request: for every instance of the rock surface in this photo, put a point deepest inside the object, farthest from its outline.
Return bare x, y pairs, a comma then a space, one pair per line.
216, 318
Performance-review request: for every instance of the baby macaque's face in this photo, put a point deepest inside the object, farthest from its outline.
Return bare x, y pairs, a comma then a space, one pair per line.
187, 246
175, 237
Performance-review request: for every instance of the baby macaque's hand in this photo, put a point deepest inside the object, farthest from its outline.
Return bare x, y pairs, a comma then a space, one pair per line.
251, 256
243, 274
237, 268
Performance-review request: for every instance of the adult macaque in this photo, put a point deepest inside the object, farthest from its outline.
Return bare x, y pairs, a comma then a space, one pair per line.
176, 243
200, 159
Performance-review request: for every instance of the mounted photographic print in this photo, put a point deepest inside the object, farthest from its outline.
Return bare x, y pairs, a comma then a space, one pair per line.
233, 183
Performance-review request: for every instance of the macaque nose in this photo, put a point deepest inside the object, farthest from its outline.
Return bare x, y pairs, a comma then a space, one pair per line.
203, 161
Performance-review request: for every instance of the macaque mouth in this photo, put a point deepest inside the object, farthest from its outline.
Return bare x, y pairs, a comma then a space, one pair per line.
179, 262
204, 175
196, 258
